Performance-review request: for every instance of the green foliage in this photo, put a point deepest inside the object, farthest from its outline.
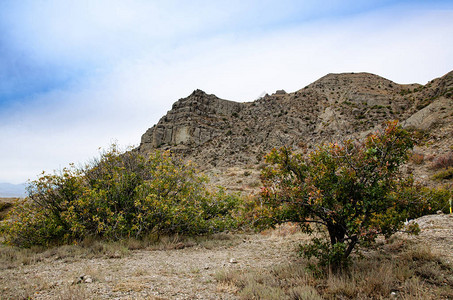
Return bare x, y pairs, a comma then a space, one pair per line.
4, 207
416, 200
116, 196
419, 136
326, 253
345, 188
444, 174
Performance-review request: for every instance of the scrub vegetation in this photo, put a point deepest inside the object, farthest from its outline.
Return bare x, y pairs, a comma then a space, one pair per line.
352, 190
346, 201
120, 195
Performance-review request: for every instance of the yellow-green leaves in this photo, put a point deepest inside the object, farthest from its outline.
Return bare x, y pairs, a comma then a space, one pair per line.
120, 195
347, 187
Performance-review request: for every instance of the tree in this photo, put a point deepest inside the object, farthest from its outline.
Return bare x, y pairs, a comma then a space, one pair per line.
343, 187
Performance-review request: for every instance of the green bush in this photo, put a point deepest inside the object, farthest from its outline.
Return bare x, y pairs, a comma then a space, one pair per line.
116, 196
347, 189
416, 200
4, 207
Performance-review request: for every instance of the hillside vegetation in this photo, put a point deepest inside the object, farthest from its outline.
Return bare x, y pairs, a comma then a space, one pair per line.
325, 158
118, 196
228, 140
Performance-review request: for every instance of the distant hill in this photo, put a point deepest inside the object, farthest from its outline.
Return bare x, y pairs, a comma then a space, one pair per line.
228, 139
12, 190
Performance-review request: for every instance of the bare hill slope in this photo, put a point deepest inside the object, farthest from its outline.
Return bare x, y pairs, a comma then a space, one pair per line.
229, 139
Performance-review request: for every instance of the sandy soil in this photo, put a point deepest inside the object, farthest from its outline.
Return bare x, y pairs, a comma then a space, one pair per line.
188, 273
437, 233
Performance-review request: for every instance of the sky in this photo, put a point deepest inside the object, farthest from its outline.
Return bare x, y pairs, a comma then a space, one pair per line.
76, 76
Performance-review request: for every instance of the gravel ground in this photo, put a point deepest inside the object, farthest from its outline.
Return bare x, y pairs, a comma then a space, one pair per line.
437, 233
188, 273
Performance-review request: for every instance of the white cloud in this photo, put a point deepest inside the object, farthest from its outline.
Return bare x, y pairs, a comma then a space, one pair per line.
137, 84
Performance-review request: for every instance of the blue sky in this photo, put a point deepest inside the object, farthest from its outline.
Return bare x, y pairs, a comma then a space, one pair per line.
77, 75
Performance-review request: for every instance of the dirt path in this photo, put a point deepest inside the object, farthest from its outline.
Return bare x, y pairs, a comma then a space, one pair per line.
188, 273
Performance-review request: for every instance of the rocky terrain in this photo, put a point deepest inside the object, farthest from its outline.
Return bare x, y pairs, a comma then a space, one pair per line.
228, 140
177, 272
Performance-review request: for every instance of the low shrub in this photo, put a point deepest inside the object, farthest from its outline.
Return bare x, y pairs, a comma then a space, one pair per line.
417, 200
417, 158
443, 161
119, 195
419, 136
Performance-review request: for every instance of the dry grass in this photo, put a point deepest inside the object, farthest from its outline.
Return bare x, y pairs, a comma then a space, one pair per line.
12, 257
399, 269
442, 161
417, 158
129, 285
32, 286
21, 288
73, 292
173, 242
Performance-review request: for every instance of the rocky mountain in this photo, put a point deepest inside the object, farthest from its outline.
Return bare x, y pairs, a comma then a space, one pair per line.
228, 139
12, 190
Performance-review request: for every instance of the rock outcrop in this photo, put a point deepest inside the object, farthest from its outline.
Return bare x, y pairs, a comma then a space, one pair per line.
191, 122
220, 134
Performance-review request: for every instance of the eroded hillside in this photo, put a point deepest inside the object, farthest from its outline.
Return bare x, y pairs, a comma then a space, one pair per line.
229, 139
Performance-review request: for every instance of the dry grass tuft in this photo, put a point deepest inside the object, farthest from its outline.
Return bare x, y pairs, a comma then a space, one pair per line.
417, 158
13, 257
399, 269
304, 292
130, 285
443, 161
283, 230
73, 292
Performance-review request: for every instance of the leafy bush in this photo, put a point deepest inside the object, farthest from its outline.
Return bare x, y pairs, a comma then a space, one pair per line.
4, 207
119, 195
416, 200
345, 188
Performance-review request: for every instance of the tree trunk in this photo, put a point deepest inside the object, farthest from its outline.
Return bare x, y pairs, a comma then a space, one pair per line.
354, 240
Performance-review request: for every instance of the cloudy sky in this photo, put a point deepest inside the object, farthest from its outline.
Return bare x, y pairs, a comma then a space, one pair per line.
78, 75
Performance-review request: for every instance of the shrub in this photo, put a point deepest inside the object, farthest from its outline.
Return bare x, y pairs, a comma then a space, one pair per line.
344, 188
417, 158
416, 200
116, 196
443, 161
4, 208
444, 174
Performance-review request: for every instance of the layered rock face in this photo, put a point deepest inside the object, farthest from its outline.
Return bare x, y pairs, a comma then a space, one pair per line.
217, 133
191, 122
